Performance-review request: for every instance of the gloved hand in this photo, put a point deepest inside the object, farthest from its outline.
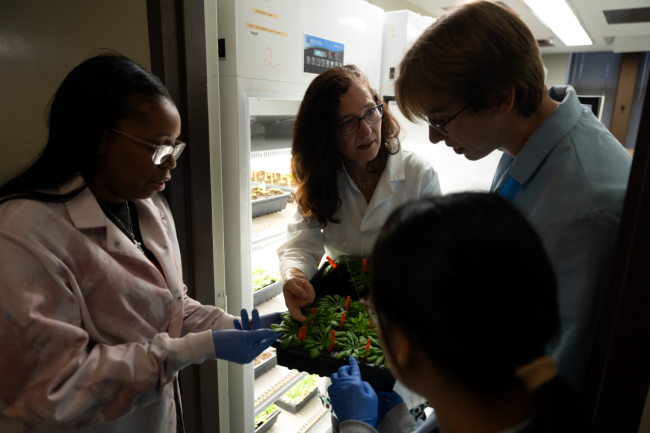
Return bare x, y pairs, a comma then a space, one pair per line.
242, 346
387, 401
259, 322
270, 319
351, 397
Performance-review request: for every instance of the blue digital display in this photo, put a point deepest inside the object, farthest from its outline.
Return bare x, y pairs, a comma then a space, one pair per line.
321, 54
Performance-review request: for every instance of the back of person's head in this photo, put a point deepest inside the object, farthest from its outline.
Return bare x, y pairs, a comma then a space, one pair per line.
470, 54
92, 98
467, 280
315, 156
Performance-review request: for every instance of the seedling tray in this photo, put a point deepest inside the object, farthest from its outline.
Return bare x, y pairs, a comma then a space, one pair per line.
295, 408
267, 205
265, 366
325, 365
267, 292
269, 422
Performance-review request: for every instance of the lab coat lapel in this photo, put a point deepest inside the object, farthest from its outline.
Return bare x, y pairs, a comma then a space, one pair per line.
153, 226
86, 214
394, 171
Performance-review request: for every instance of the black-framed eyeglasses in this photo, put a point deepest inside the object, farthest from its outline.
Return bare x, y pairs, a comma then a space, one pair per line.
374, 115
441, 128
161, 153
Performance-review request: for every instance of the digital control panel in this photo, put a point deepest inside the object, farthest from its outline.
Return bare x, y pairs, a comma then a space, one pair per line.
321, 54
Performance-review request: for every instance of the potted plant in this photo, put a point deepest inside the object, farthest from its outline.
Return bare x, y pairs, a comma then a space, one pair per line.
298, 396
266, 419
336, 327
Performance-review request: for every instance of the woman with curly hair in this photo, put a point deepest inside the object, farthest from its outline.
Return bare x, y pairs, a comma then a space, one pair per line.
351, 174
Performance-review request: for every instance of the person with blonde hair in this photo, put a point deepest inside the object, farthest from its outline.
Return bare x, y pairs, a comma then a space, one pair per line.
476, 76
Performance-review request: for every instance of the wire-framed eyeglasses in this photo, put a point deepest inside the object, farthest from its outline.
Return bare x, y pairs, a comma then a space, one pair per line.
441, 128
161, 154
374, 115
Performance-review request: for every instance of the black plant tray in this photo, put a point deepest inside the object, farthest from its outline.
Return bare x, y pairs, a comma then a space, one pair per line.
325, 365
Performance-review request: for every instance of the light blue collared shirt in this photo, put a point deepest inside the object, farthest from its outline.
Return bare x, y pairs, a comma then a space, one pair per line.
573, 175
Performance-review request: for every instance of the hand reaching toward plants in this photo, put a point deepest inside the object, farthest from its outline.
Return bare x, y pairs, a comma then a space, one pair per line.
298, 292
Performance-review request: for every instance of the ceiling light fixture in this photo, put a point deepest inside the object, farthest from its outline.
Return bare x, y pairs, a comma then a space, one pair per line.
558, 16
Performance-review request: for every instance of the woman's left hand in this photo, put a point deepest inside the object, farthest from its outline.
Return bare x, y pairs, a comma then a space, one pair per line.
243, 345
352, 398
257, 322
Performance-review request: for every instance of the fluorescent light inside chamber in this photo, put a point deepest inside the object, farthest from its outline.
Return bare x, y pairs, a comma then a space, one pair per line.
558, 16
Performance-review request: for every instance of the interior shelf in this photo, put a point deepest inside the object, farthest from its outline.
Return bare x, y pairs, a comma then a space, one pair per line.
269, 226
273, 384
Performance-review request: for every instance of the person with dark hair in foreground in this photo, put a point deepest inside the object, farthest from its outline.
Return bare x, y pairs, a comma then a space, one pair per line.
472, 332
96, 321
476, 76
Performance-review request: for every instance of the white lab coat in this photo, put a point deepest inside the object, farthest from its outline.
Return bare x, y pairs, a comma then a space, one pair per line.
407, 177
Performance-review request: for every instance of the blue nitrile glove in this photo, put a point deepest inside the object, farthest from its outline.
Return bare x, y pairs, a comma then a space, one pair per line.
387, 401
242, 346
259, 322
351, 397
270, 319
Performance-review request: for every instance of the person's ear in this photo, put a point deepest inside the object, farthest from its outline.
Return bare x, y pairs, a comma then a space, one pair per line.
505, 100
407, 355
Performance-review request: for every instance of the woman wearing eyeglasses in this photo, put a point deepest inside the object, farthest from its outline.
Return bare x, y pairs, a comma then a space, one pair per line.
351, 174
95, 320
472, 333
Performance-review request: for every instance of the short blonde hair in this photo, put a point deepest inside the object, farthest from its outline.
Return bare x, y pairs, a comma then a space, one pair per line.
471, 53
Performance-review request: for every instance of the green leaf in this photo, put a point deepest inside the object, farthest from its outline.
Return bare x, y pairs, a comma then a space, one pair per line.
314, 353
296, 341
285, 343
371, 359
336, 297
379, 361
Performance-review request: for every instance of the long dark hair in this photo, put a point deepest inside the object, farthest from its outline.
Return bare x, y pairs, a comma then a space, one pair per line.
467, 279
315, 158
92, 98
